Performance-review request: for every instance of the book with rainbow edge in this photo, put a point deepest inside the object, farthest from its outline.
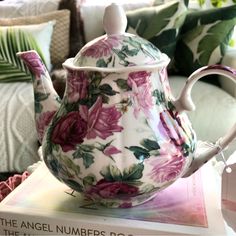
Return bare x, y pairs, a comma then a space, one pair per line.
42, 205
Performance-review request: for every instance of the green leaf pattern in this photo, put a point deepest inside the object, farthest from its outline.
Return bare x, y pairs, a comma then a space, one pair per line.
204, 39
159, 24
130, 174
12, 69
149, 148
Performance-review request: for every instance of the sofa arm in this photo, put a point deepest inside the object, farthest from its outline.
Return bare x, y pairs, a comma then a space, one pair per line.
229, 60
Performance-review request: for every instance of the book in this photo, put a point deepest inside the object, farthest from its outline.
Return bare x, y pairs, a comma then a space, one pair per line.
42, 205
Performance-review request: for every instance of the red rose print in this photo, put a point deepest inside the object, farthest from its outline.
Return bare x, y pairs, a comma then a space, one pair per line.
69, 131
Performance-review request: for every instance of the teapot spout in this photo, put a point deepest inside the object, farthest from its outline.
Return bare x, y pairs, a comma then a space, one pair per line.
47, 101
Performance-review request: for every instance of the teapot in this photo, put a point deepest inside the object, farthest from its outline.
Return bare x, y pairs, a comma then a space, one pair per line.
118, 136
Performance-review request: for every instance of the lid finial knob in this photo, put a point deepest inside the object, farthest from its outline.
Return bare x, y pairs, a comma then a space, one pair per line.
114, 20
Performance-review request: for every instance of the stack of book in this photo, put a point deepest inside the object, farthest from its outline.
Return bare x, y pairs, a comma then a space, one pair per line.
42, 205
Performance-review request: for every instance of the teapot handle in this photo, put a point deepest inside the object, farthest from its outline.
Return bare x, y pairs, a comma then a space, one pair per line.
185, 103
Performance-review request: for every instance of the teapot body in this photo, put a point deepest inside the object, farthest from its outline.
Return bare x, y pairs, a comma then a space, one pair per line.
117, 137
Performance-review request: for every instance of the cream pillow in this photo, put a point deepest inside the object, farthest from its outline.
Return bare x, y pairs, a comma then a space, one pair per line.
18, 138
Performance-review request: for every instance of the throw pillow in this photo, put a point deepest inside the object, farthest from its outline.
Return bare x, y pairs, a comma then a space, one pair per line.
204, 38
14, 39
159, 24
59, 47
18, 137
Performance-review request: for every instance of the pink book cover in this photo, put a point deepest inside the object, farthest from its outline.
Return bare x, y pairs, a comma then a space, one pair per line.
182, 203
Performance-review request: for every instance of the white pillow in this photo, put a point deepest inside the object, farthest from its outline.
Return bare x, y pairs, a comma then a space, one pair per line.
18, 138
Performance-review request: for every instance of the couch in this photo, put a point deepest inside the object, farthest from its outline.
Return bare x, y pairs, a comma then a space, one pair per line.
215, 102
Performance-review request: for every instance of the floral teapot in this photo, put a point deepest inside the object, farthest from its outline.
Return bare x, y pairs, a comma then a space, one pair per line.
118, 136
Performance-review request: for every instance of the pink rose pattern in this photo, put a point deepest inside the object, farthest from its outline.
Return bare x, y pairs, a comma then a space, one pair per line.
111, 150
102, 48
69, 131
168, 165
167, 168
109, 189
175, 129
34, 63
138, 78
139, 82
101, 121
77, 84
98, 121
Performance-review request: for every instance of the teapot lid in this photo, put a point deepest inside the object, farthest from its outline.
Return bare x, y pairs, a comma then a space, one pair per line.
117, 49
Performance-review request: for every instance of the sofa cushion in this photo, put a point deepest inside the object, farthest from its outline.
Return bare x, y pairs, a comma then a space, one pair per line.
204, 38
59, 47
159, 24
14, 39
18, 138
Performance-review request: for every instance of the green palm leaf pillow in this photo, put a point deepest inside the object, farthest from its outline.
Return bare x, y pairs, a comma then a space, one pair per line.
205, 36
159, 24
14, 39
